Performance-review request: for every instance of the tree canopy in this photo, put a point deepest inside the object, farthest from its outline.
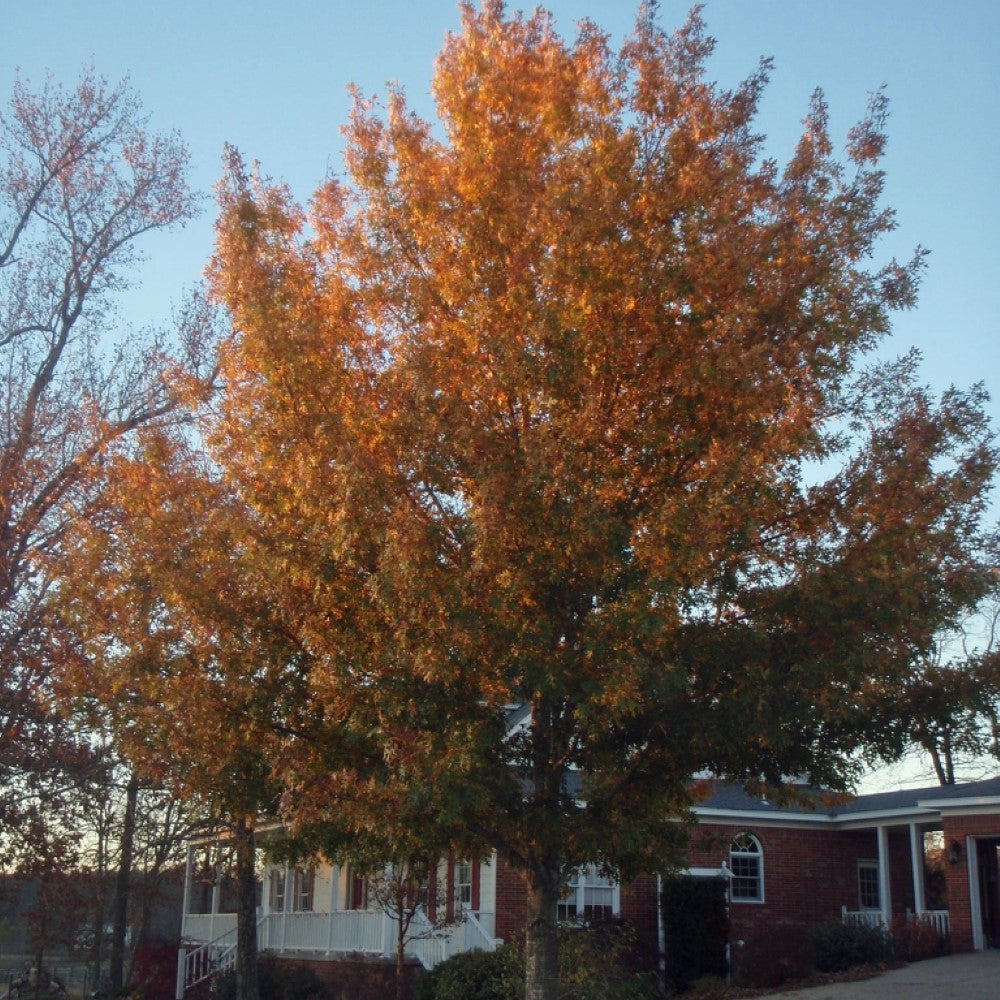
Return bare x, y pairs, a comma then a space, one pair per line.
569, 400
82, 180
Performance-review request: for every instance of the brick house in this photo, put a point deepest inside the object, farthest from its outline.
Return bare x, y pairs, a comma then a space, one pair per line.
861, 859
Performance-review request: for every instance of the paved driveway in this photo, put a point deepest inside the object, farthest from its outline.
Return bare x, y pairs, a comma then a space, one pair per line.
973, 976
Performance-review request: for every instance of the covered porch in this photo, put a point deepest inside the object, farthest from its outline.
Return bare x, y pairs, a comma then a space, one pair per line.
323, 912
893, 884
965, 822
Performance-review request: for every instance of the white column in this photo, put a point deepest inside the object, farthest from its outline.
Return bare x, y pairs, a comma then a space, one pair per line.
334, 891
188, 876
884, 891
388, 934
917, 868
976, 912
181, 971
216, 892
289, 890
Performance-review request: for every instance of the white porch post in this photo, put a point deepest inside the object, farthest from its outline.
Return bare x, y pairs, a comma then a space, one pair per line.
917, 868
216, 895
976, 912
388, 934
289, 889
181, 974
884, 890
334, 886
188, 877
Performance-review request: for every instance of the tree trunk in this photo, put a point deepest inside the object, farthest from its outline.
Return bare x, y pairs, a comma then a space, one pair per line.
541, 948
938, 764
400, 946
39, 960
122, 885
97, 949
247, 987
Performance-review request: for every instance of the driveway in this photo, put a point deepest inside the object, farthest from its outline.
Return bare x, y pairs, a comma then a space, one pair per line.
974, 976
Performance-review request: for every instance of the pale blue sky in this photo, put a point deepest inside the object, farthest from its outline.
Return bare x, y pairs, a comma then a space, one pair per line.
272, 80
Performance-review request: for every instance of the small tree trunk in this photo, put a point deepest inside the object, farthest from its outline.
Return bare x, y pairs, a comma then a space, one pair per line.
938, 765
97, 949
122, 885
39, 959
949, 759
541, 949
247, 987
400, 947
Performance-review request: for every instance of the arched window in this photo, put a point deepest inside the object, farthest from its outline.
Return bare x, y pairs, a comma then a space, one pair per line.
746, 863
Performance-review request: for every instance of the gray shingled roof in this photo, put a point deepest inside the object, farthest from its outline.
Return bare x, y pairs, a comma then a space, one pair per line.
733, 798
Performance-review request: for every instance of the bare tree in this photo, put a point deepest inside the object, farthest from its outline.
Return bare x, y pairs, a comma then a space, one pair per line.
952, 698
82, 178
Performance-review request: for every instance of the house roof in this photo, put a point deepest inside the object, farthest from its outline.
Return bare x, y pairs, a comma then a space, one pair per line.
923, 803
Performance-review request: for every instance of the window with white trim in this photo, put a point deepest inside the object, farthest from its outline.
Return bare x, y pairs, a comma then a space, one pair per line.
302, 892
276, 893
463, 885
589, 896
868, 894
746, 866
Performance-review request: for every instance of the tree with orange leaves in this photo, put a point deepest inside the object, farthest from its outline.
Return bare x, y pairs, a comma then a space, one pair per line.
567, 402
193, 675
82, 181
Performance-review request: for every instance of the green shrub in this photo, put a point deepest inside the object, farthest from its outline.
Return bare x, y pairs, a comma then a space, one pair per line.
597, 961
278, 981
604, 961
835, 946
475, 975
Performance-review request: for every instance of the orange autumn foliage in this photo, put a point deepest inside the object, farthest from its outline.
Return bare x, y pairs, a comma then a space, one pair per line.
565, 400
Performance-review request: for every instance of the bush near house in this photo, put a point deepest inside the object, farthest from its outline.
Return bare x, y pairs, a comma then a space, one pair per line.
601, 960
278, 981
154, 972
475, 975
835, 946
915, 940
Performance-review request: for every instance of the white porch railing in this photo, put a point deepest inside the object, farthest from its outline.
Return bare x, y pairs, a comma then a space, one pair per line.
861, 918
938, 919
432, 945
204, 961
338, 931
367, 932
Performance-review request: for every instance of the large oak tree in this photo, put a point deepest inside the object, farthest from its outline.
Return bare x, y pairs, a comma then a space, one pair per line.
568, 400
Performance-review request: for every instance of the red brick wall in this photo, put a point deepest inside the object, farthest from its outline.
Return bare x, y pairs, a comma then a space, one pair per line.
512, 903
957, 828
638, 907
808, 876
358, 978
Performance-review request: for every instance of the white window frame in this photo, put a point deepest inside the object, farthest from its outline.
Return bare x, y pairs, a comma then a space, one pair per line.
463, 885
304, 890
581, 894
276, 890
869, 866
743, 849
